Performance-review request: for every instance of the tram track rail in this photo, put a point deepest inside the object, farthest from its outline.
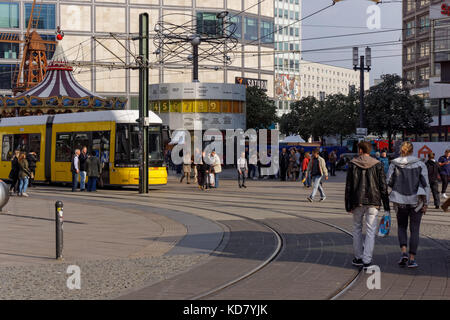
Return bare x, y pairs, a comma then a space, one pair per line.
280, 242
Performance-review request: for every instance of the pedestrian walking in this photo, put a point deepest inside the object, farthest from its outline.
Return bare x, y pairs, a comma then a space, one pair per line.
93, 171
284, 164
305, 176
433, 178
196, 157
187, 163
32, 159
385, 161
324, 154
408, 178
444, 163
216, 168
82, 158
242, 169
317, 169
75, 169
333, 159
365, 192
14, 173
24, 175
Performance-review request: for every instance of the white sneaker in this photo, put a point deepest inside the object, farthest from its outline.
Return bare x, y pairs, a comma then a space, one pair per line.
444, 196
24, 194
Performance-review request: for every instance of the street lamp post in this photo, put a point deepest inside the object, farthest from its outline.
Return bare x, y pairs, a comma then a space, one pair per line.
362, 67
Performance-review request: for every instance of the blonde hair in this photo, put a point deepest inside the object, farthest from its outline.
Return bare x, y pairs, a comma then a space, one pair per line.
406, 149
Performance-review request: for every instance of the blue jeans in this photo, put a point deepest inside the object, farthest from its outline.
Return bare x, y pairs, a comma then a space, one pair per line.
216, 180
74, 181
82, 180
92, 184
316, 185
23, 185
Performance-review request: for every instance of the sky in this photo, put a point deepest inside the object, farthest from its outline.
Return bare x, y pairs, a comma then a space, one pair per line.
350, 17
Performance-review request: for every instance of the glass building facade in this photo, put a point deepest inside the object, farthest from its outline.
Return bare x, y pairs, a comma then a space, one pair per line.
82, 19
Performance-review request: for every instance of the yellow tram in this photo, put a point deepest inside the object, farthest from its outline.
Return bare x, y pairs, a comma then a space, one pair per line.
113, 135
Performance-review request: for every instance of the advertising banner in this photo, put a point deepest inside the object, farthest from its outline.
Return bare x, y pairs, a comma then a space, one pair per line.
421, 149
287, 87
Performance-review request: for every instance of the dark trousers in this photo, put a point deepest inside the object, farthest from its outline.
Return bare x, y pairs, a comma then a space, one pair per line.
444, 179
333, 168
92, 184
435, 191
14, 184
405, 215
283, 172
241, 176
251, 171
201, 179
75, 181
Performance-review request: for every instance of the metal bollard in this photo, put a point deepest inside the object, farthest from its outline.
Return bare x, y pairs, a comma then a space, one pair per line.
59, 229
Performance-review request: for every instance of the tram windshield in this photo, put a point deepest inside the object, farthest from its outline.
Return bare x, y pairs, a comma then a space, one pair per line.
127, 144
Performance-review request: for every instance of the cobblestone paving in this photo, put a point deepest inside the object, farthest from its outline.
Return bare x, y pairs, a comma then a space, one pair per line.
100, 279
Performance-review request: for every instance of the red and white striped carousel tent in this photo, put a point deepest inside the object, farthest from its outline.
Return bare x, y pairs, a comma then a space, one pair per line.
59, 92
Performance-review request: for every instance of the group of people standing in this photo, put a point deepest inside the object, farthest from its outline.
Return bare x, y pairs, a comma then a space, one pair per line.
85, 165
294, 164
206, 171
366, 190
23, 168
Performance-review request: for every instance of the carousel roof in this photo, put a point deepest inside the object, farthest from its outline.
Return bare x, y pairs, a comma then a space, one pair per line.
60, 90
59, 80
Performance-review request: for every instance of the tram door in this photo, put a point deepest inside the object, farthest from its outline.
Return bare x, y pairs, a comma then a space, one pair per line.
101, 147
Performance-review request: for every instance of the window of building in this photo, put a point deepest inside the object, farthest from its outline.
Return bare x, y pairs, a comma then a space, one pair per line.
280, 13
50, 49
424, 24
251, 28
46, 18
437, 69
410, 51
297, 47
297, 32
9, 50
9, 15
209, 24
291, 15
411, 76
424, 74
410, 28
296, 15
410, 5
442, 39
266, 30
286, 14
237, 20
6, 75
291, 31
424, 3
424, 49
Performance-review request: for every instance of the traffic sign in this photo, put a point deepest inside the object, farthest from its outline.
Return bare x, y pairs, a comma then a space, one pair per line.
361, 131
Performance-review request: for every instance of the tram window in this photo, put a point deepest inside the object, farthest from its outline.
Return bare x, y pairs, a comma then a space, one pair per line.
7, 147
63, 147
127, 144
35, 144
154, 144
100, 144
23, 142
80, 140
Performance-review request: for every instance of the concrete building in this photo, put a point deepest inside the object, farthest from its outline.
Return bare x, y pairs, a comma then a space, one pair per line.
319, 80
425, 44
287, 59
82, 19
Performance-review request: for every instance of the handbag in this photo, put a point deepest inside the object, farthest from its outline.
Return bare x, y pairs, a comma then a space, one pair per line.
385, 225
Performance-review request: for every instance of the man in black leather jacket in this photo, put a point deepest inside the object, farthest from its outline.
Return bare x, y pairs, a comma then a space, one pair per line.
365, 191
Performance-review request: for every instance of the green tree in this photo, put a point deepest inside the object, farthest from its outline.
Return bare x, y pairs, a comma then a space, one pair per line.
390, 109
300, 119
261, 111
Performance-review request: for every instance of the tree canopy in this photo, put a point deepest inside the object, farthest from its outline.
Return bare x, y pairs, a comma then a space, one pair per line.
261, 111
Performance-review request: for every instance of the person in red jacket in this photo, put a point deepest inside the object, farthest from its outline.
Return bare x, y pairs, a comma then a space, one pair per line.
306, 180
